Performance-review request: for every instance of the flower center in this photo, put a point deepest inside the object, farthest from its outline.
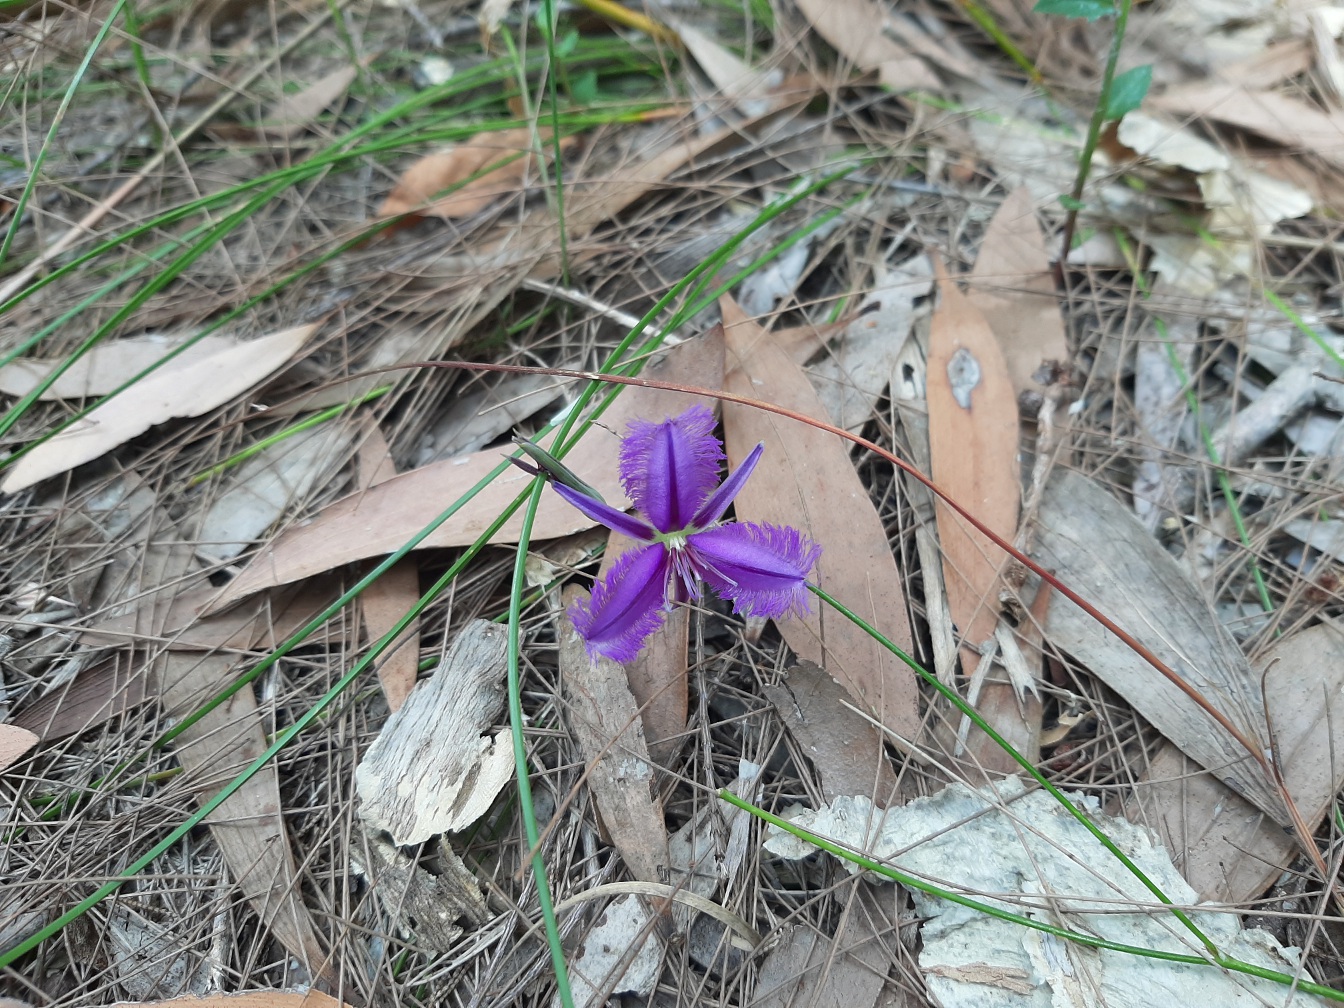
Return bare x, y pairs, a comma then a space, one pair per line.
676, 541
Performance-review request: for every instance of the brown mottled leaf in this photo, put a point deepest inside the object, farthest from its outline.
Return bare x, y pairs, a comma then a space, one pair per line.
1012, 287
604, 717
973, 456
973, 453
807, 480
379, 520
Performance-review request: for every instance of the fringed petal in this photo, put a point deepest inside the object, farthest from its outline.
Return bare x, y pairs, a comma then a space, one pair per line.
761, 569
626, 606
669, 468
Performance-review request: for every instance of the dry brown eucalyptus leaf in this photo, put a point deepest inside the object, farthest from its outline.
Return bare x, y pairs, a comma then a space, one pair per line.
855, 29
1226, 848
389, 598
807, 480
1096, 546
973, 457
14, 742
500, 160
845, 748
174, 390
1012, 287
973, 453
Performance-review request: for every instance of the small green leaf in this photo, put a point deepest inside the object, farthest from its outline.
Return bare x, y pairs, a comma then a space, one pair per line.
569, 41
1069, 203
1090, 9
583, 88
1128, 91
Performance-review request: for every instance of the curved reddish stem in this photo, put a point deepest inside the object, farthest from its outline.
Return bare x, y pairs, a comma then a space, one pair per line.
1251, 745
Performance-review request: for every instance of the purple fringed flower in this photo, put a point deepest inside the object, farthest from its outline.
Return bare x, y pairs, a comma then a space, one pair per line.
670, 470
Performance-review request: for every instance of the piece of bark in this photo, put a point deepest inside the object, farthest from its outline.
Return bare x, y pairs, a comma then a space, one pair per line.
806, 480
388, 599
432, 770
909, 398
426, 906
856, 369
1012, 287
1281, 401
845, 748
1226, 848
973, 436
1096, 546
1161, 411
604, 719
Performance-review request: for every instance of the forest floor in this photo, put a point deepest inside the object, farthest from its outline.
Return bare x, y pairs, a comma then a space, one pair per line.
290, 699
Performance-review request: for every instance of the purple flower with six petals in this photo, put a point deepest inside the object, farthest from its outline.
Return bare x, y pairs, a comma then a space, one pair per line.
670, 471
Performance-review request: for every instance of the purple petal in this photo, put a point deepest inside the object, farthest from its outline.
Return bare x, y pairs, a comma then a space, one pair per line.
761, 569
669, 468
600, 511
712, 509
626, 605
